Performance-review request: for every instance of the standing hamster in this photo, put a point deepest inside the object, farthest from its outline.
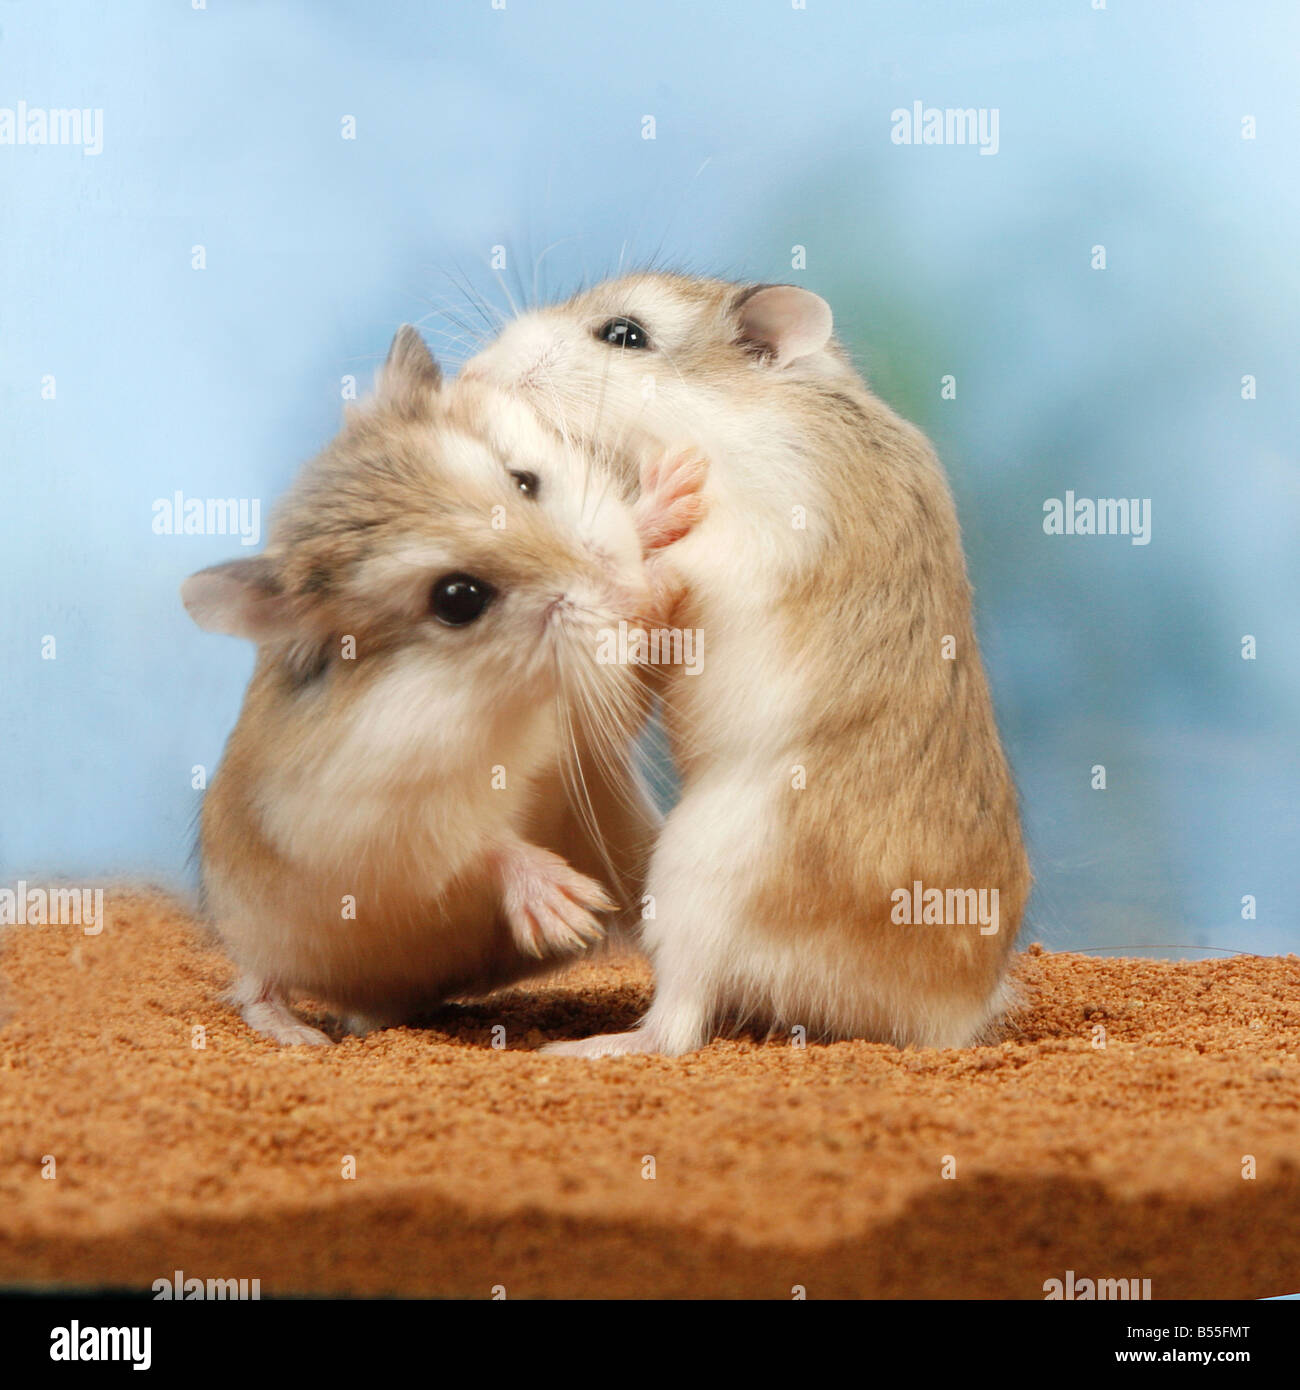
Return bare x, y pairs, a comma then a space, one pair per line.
380, 834
846, 857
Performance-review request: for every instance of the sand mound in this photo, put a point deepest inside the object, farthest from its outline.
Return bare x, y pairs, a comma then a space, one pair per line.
745, 1170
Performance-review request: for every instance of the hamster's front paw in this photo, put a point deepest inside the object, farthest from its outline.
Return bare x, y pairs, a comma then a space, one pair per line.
672, 500
548, 903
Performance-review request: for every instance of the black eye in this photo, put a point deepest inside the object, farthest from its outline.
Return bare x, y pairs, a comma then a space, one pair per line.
458, 599
624, 333
527, 483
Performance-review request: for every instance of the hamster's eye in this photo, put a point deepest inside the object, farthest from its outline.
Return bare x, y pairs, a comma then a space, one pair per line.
527, 483
458, 599
624, 333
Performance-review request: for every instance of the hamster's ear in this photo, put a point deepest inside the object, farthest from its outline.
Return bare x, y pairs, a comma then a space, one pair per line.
242, 598
783, 322
410, 378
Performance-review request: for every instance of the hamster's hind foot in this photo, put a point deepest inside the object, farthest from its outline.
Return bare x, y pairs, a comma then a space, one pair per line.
264, 1008
604, 1045
663, 1032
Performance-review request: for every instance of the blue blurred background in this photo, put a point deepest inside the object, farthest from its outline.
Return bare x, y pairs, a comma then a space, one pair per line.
224, 127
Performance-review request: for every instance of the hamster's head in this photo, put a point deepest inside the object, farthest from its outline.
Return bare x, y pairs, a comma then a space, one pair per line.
445, 543
658, 354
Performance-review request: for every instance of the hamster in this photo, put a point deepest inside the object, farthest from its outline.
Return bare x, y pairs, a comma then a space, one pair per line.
382, 833
847, 818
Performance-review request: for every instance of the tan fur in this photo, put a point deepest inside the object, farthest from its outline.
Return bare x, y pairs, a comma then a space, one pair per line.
824, 654
370, 778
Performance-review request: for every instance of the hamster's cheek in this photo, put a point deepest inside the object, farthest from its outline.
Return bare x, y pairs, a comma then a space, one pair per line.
613, 536
516, 662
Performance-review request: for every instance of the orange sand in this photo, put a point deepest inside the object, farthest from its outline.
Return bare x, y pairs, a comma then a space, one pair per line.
774, 1166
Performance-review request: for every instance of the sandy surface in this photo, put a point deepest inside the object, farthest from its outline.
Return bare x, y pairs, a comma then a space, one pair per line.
773, 1166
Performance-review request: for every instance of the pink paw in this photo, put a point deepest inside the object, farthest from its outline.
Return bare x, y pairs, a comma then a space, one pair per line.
549, 905
672, 500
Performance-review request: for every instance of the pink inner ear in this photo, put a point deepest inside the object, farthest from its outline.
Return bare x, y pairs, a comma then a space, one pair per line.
790, 321
234, 599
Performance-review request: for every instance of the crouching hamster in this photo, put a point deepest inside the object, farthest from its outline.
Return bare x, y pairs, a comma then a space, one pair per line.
381, 832
846, 858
